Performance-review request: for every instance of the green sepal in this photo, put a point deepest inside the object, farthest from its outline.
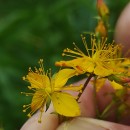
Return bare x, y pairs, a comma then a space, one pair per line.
48, 102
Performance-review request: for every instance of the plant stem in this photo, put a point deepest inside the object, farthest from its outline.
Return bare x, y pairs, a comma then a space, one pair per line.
85, 84
95, 98
106, 110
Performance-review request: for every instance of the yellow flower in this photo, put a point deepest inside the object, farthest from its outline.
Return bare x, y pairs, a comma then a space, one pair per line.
122, 68
125, 66
48, 88
100, 58
100, 82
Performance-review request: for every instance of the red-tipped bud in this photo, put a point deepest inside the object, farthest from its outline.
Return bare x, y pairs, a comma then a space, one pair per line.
101, 30
102, 8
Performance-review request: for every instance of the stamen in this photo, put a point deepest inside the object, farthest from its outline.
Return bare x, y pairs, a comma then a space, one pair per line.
63, 54
70, 55
103, 43
27, 94
41, 112
85, 44
24, 78
41, 69
29, 115
77, 52
29, 87
26, 107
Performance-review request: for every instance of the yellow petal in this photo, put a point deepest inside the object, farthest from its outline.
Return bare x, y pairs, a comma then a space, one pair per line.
76, 64
73, 88
115, 85
65, 104
84, 64
102, 71
70, 63
88, 66
60, 78
38, 100
81, 65
126, 62
37, 80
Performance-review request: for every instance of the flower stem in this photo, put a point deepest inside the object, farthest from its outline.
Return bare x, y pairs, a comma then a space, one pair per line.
85, 84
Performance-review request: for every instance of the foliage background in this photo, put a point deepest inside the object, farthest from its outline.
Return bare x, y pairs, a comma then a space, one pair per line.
34, 29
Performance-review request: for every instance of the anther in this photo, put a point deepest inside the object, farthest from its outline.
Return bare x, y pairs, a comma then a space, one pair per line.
24, 110
63, 54
29, 115
23, 77
29, 87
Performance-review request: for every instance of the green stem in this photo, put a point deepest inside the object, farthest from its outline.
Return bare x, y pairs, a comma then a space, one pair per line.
106, 110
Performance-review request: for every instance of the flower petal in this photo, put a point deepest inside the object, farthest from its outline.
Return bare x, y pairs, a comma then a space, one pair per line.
65, 104
37, 80
38, 100
102, 71
60, 78
81, 65
73, 88
115, 85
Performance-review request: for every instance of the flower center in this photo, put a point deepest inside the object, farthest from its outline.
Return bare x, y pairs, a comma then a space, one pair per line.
48, 90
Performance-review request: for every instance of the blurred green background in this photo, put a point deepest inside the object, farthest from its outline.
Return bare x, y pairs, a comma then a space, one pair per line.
34, 29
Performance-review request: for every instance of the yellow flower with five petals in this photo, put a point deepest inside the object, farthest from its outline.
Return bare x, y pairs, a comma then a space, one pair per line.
47, 88
99, 58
